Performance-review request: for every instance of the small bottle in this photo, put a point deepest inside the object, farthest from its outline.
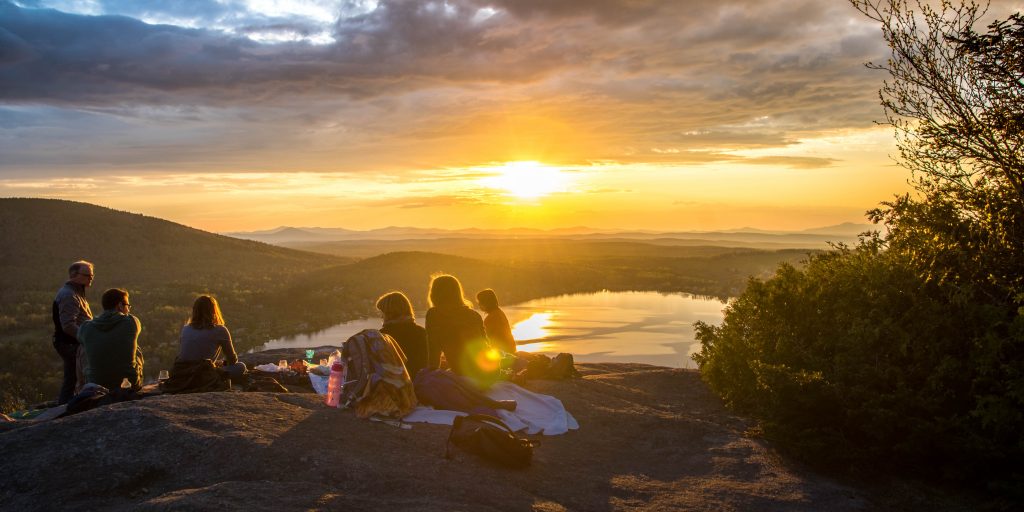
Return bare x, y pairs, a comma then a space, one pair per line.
334, 384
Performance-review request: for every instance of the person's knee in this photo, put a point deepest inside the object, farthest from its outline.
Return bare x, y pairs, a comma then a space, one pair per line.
236, 370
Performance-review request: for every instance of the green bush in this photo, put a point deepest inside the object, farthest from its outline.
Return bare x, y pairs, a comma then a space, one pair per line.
860, 357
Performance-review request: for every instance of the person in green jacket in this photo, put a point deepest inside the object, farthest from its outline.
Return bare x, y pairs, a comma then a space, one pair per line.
111, 343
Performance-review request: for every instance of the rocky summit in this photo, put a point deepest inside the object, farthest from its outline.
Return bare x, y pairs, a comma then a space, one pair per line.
650, 438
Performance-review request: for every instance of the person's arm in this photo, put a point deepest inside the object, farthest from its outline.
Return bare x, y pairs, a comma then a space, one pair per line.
228, 347
70, 312
78, 333
489, 327
478, 326
139, 361
433, 343
507, 339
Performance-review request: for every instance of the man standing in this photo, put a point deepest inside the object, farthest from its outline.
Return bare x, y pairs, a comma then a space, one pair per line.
111, 343
70, 311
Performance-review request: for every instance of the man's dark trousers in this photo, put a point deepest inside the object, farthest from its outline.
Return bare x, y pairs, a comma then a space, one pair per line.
68, 352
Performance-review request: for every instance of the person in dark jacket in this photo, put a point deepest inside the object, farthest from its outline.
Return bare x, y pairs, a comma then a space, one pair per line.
499, 333
70, 311
457, 331
205, 336
111, 343
400, 324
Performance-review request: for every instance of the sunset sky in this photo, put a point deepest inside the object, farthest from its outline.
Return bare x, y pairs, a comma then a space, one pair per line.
613, 114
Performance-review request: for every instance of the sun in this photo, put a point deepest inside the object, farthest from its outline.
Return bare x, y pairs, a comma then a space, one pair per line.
527, 179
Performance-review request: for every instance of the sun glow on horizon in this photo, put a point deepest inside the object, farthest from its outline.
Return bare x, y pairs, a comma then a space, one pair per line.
527, 179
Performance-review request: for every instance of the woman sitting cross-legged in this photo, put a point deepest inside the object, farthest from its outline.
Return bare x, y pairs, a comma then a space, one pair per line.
205, 336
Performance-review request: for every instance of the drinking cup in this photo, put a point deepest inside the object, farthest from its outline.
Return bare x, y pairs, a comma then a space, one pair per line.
164, 375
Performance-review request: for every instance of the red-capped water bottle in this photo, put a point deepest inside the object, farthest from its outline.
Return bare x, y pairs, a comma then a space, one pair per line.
334, 384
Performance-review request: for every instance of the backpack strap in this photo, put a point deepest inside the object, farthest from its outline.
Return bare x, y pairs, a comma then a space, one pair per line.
497, 422
487, 418
448, 445
357, 379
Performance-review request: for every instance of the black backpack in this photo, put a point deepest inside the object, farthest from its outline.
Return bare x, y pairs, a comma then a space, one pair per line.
491, 439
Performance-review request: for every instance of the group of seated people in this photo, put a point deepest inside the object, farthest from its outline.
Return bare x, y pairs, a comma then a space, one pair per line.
111, 347
452, 328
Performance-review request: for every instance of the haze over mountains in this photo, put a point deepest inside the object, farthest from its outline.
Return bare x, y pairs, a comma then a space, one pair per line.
743, 237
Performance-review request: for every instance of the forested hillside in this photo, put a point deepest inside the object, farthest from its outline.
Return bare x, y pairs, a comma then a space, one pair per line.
268, 292
162, 264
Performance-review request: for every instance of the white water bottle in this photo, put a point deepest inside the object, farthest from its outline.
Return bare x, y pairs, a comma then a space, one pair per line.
334, 384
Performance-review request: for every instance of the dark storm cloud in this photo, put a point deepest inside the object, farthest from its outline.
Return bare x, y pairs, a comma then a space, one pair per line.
625, 76
65, 58
59, 57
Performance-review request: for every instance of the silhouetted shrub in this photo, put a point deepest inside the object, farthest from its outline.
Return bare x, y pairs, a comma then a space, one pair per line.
859, 357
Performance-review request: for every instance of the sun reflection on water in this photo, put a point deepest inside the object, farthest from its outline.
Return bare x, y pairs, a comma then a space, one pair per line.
533, 328
537, 346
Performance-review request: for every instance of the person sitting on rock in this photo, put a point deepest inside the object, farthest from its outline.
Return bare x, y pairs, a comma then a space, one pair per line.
499, 332
400, 324
457, 331
111, 343
205, 336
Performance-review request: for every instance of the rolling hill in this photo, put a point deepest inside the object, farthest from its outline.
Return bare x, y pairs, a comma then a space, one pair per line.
43, 236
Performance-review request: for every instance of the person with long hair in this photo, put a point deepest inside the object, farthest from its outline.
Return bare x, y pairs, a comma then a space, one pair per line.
456, 330
499, 333
400, 324
204, 336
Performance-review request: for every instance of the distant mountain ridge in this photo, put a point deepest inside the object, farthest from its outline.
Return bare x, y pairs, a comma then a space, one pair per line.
810, 238
42, 236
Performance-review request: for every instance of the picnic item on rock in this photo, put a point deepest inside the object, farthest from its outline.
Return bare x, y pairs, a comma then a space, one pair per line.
377, 380
490, 439
334, 385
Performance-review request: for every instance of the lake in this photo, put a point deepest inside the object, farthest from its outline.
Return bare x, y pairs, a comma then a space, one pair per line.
621, 327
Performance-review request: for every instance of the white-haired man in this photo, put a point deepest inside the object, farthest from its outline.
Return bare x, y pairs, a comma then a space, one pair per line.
70, 311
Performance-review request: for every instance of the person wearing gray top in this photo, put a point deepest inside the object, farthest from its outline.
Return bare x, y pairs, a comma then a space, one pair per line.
70, 311
211, 343
206, 337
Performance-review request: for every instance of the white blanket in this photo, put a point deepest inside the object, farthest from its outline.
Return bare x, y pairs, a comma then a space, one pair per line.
535, 413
